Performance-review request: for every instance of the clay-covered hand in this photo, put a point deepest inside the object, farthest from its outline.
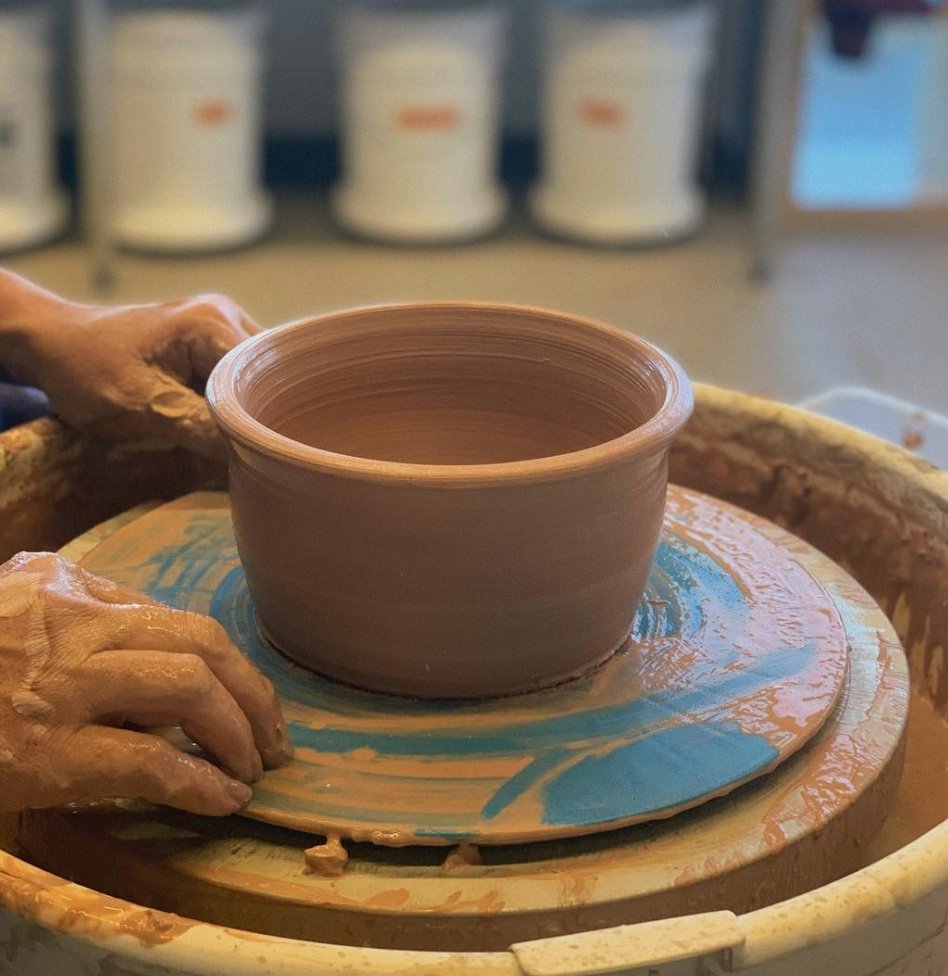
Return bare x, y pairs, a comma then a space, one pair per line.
134, 372
81, 657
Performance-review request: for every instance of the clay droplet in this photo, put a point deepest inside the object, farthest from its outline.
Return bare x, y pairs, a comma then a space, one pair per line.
327, 859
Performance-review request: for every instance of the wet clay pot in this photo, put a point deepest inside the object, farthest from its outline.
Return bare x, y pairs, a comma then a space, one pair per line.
448, 500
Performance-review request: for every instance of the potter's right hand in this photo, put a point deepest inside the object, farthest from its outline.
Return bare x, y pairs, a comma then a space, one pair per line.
80, 657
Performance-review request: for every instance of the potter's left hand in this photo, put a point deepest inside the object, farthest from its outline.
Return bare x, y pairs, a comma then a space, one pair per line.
132, 372
80, 657
137, 372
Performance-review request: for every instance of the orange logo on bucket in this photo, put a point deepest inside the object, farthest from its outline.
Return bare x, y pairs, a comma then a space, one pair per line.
214, 112
601, 112
421, 117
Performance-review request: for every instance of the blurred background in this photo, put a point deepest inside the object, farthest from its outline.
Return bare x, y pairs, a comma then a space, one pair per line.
758, 186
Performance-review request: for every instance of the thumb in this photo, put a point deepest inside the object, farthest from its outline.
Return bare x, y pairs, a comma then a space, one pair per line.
180, 416
203, 330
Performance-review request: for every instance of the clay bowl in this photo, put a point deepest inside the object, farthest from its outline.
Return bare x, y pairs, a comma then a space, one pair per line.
448, 500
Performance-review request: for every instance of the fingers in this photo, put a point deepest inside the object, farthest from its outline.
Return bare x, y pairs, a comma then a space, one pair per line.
160, 357
252, 691
181, 632
156, 688
206, 327
222, 308
98, 762
156, 627
158, 405
180, 416
105, 590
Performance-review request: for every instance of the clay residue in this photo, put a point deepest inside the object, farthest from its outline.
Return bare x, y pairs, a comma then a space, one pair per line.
461, 857
881, 513
922, 800
912, 439
60, 905
55, 484
328, 859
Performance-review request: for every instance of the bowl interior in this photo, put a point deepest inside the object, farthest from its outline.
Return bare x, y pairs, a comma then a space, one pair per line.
429, 385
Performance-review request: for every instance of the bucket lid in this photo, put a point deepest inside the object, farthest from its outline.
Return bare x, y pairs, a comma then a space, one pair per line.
193, 25
614, 8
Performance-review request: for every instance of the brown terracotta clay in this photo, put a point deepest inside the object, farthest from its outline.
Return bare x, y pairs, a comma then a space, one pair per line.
448, 500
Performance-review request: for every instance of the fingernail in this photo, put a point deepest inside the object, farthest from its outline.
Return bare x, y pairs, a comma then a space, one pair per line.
240, 793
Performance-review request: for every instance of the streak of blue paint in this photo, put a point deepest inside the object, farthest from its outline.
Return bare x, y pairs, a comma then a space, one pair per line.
525, 780
452, 836
656, 773
653, 774
625, 721
177, 571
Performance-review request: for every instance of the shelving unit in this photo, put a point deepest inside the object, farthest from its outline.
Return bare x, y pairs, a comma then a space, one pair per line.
92, 24
774, 132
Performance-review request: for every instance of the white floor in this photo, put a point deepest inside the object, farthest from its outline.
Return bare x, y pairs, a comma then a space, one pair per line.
843, 309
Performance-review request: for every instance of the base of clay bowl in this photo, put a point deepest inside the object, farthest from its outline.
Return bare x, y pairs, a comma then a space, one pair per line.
448, 500
391, 688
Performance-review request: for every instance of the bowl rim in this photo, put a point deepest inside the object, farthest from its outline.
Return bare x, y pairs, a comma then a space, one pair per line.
657, 433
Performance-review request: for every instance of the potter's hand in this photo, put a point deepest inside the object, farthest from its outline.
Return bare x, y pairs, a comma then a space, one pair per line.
138, 372
129, 372
81, 656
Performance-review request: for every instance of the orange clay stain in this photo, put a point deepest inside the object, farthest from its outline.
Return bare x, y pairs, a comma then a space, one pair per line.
846, 768
489, 903
912, 439
417, 118
923, 795
686, 877
363, 754
603, 113
774, 836
577, 886
766, 572
393, 898
214, 112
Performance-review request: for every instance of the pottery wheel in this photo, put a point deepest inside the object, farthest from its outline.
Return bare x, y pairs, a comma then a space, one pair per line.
736, 658
805, 823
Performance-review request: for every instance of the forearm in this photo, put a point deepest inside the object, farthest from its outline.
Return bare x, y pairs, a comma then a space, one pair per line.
27, 313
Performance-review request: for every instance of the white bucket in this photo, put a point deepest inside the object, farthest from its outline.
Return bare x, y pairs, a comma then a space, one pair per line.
187, 129
32, 209
621, 120
420, 122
